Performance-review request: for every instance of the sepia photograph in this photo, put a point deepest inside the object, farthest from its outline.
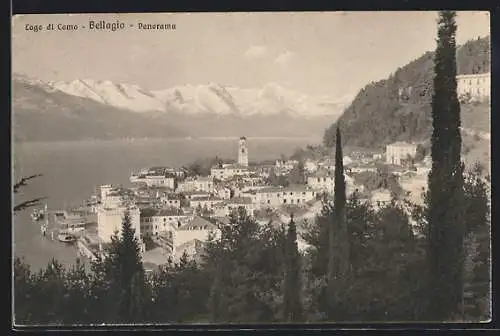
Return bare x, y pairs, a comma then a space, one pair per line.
251, 168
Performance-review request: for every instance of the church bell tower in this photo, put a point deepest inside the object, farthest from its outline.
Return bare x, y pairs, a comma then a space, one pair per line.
243, 152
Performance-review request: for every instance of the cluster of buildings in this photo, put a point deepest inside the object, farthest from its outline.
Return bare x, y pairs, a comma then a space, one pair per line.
474, 87
180, 212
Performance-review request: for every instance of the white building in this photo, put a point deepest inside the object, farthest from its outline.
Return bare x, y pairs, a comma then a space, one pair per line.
146, 220
205, 202
224, 209
159, 181
241, 202
204, 184
110, 220
321, 181
286, 165
171, 200
195, 194
154, 180
325, 182
310, 166
198, 228
223, 192
399, 151
476, 86
381, 198
191, 249
229, 171
275, 196
168, 219
243, 152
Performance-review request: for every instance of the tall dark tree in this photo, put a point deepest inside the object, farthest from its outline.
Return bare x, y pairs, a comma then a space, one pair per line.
338, 261
245, 267
445, 214
127, 273
292, 300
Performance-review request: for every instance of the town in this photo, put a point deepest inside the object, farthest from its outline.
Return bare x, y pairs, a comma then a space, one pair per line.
250, 176
174, 211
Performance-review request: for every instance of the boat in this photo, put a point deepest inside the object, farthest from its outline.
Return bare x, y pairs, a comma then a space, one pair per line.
66, 238
70, 223
38, 215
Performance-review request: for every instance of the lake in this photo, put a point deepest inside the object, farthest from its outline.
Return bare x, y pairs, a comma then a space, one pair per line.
72, 170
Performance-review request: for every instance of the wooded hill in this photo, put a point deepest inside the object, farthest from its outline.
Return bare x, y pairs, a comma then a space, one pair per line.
399, 107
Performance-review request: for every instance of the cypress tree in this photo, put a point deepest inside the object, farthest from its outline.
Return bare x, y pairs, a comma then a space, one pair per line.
338, 261
445, 216
131, 272
293, 306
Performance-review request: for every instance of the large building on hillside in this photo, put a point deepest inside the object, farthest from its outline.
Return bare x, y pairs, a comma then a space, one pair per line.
476, 86
397, 152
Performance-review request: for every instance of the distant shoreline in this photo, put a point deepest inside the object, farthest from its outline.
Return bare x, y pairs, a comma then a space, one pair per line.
225, 138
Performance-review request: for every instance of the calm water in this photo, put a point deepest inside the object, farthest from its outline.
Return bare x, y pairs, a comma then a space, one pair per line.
71, 171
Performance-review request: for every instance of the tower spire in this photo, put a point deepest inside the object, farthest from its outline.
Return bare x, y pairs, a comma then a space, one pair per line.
243, 152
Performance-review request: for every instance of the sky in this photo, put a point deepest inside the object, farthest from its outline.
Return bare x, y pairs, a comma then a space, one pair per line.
315, 53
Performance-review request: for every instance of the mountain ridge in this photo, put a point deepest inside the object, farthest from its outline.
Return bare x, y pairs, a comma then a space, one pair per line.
197, 99
43, 112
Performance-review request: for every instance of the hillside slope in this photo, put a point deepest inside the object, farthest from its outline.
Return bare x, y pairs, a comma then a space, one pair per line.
399, 107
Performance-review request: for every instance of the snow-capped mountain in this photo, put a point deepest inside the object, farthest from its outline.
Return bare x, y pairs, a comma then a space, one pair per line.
90, 109
198, 99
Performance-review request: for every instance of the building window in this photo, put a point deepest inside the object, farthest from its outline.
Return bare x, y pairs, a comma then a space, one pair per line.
284, 200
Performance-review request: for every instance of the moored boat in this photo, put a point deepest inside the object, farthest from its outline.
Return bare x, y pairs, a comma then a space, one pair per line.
38, 215
66, 238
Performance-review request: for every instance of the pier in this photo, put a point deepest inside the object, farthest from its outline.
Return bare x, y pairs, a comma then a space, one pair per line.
51, 226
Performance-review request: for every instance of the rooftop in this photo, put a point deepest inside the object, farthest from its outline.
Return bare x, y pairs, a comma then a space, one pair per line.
206, 198
401, 144
484, 74
121, 192
322, 173
240, 200
196, 193
198, 223
231, 166
196, 243
269, 190
148, 212
165, 212
279, 189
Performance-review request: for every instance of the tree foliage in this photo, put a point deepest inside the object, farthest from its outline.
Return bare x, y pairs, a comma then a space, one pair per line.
292, 294
446, 196
245, 273
29, 203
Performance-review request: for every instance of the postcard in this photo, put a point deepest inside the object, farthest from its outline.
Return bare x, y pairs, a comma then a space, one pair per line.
251, 168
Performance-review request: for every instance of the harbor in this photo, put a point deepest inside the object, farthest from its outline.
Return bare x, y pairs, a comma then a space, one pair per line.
76, 227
